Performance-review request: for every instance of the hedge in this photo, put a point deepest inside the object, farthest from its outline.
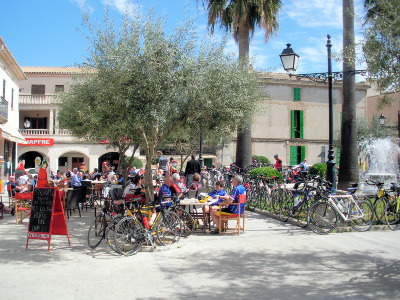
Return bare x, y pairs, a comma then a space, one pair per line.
318, 169
267, 172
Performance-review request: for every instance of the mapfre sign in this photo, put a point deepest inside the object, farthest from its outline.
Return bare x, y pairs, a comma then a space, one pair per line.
38, 142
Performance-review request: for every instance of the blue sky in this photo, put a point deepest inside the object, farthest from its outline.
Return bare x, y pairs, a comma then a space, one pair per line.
44, 32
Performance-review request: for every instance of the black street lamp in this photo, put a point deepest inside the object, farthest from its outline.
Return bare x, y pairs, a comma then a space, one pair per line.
382, 120
290, 60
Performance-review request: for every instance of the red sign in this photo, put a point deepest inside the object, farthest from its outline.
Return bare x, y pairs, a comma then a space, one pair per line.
38, 142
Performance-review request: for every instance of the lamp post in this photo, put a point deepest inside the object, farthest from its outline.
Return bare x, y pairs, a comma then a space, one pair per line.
382, 120
289, 61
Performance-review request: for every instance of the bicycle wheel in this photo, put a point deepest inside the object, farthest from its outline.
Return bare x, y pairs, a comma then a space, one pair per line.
251, 201
187, 220
285, 207
392, 215
110, 231
322, 218
168, 229
379, 209
96, 231
129, 236
357, 222
275, 199
301, 213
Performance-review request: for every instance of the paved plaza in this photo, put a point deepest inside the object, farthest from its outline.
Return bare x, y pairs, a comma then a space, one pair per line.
271, 260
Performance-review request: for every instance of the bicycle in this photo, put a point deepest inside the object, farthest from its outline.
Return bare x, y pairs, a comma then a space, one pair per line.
379, 200
133, 230
297, 205
392, 209
102, 227
323, 215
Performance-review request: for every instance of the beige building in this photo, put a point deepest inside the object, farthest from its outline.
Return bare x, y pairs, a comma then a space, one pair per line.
39, 125
10, 76
294, 122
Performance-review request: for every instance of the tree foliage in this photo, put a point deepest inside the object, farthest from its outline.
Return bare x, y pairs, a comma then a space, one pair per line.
382, 42
154, 83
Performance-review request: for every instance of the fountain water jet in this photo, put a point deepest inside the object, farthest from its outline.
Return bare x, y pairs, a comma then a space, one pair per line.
378, 161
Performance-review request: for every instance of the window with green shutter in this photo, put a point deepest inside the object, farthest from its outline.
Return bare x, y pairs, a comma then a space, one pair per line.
297, 124
296, 94
302, 153
293, 155
297, 154
337, 155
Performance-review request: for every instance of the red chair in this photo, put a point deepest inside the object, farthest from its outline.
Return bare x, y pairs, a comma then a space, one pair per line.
224, 217
11, 193
22, 205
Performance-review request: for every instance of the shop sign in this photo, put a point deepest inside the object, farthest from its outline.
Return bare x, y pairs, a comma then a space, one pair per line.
38, 142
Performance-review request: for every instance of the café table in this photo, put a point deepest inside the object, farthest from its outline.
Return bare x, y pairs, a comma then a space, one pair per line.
205, 218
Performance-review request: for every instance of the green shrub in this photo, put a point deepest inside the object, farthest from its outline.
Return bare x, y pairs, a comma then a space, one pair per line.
267, 172
154, 160
261, 159
136, 162
318, 169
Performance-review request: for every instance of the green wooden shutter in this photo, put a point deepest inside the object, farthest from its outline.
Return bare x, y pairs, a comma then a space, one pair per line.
296, 94
301, 124
293, 124
293, 155
337, 155
302, 153
340, 120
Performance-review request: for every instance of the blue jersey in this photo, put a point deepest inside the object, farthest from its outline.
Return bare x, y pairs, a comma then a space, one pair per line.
214, 193
239, 190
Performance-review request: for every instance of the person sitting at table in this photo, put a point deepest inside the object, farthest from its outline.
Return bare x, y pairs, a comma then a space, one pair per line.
76, 178
215, 195
169, 189
196, 182
238, 189
33, 183
12, 184
177, 180
96, 175
134, 185
120, 178
63, 182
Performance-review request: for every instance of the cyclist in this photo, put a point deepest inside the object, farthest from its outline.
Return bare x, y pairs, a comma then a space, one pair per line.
278, 163
239, 189
215, 194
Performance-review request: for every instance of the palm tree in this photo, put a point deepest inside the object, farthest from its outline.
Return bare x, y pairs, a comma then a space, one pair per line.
348, 152
241, 17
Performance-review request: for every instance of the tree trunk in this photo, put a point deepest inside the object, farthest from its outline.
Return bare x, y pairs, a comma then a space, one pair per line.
243, 145
348, 152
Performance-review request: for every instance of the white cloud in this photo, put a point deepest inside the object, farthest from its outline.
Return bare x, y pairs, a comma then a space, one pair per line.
123, 5
315, 13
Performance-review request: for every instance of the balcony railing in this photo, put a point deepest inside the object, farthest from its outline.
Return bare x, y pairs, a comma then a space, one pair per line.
3, 107
44, 131
37, 99
34, 131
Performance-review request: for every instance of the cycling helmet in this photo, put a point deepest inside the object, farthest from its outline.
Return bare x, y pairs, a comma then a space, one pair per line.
205, 199
276, 155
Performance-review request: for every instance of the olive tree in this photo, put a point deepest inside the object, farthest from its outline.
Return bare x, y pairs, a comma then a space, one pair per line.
158, 82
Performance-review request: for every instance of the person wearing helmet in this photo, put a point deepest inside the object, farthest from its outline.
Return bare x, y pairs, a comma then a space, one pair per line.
278, 163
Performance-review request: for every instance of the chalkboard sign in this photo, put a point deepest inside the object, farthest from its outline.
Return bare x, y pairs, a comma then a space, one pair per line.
42, 207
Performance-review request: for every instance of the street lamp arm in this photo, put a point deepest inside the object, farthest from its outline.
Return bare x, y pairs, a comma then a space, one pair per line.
323, 77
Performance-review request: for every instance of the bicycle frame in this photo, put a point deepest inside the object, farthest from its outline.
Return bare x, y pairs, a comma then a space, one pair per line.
333, 201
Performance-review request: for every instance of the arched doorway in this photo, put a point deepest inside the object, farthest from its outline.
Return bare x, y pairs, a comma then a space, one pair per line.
29, 158
111, 158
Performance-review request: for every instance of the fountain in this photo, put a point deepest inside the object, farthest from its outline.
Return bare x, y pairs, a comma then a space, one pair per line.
379, 161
